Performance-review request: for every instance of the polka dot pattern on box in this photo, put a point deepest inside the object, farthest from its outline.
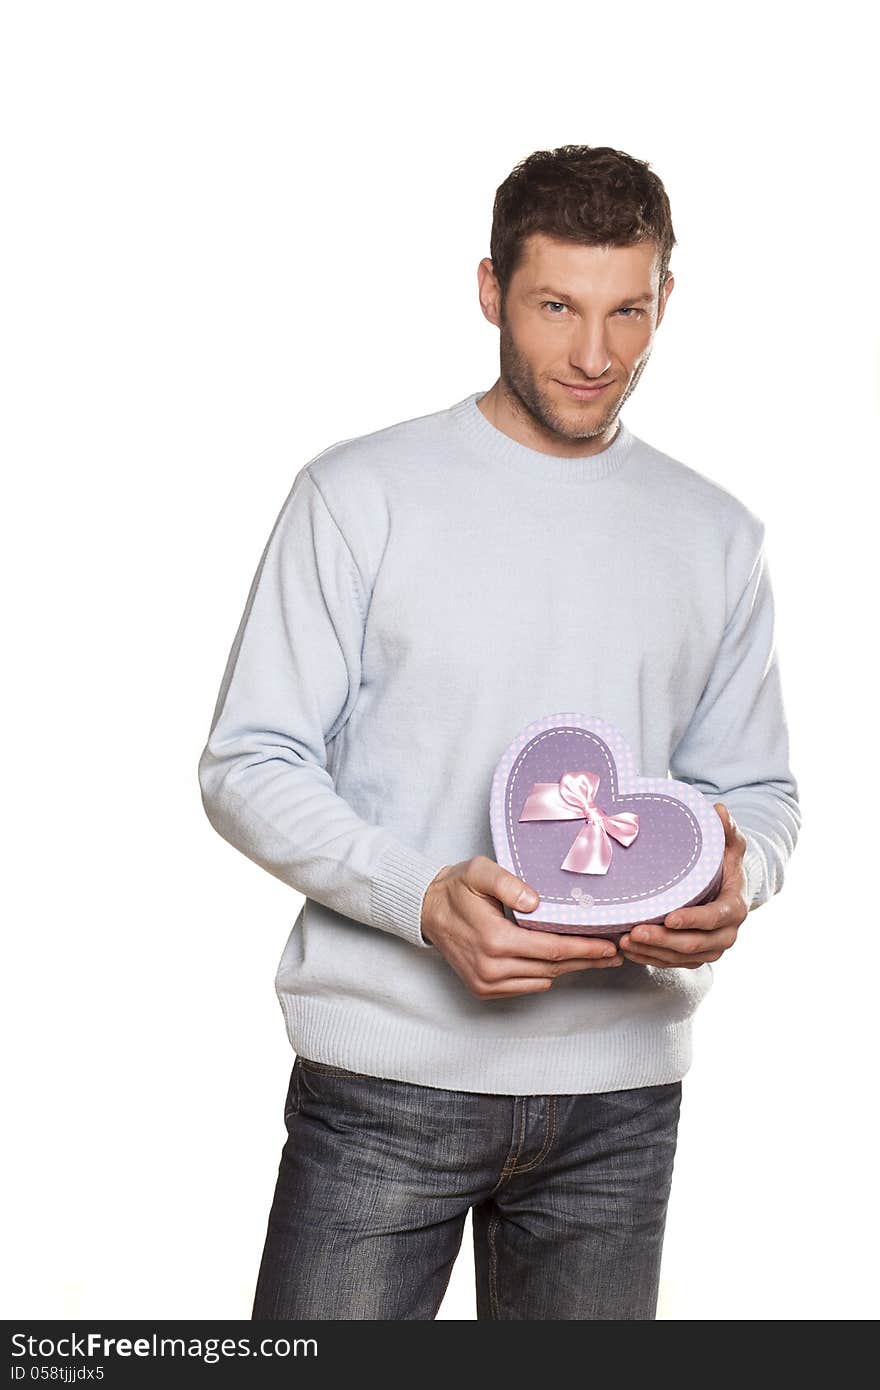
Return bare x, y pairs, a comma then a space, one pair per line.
661, 841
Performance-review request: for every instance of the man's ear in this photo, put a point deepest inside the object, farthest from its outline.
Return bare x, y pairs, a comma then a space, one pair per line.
489, 291
664, 295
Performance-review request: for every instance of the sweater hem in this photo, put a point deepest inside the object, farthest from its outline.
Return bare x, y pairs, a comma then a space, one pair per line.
324, 1030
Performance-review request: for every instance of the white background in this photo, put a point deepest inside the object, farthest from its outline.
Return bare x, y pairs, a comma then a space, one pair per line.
234, 234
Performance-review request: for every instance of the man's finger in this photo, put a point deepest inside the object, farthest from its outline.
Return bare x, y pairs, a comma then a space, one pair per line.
707, 917
551, 968
697, 924
733, 836
730, 826
679, 943
487, 877
673, 959
554, 946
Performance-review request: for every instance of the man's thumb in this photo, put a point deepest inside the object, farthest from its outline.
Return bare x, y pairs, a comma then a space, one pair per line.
520, 895
488, 876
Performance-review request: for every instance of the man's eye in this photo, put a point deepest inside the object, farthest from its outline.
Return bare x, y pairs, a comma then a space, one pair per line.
629, 310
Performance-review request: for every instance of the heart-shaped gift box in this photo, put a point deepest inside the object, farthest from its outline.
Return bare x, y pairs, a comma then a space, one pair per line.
604, 847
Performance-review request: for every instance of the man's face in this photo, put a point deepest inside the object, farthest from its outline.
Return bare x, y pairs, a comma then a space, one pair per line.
582, 315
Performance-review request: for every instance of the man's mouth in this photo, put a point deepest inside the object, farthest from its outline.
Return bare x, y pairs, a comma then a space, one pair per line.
585, 393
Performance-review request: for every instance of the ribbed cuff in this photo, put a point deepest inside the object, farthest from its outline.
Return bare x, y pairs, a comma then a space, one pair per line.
753, 864
400, 881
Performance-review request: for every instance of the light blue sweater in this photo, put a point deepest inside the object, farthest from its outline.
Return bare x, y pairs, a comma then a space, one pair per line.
397, 635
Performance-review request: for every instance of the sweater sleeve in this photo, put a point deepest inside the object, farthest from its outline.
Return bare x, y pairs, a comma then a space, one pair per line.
290, 684
736, 749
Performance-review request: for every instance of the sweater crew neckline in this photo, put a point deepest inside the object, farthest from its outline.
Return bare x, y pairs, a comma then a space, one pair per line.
494, 443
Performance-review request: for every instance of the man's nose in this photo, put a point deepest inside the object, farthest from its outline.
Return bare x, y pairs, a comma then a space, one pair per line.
590, 353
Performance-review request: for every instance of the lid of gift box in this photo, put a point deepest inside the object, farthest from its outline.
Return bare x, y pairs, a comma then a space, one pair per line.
571, 816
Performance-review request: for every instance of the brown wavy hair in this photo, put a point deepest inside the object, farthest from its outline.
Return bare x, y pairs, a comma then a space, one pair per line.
593, 195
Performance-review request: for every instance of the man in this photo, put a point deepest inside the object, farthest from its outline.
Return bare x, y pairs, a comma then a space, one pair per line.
426, 591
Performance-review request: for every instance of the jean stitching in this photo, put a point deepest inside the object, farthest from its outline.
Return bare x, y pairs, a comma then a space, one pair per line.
493, 1266
510, 1160
549, 1137
327, 1070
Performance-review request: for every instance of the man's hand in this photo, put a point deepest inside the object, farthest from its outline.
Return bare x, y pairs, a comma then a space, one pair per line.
496, 959
690, 936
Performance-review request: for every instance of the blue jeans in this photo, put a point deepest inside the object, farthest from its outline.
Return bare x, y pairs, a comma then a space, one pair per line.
569, 1196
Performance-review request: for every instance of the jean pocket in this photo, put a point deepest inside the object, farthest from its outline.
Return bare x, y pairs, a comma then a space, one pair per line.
329, 1069
292, 1099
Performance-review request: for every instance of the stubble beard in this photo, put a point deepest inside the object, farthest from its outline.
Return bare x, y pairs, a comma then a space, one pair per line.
527, 396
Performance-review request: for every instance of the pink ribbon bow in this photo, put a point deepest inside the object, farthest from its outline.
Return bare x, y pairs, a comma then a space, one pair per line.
572, 798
